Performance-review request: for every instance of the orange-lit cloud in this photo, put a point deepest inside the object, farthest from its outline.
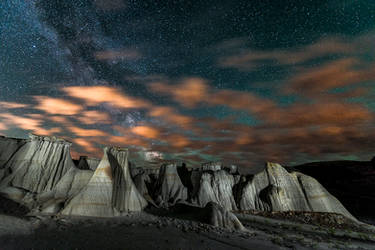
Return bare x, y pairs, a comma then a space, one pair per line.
87, 132
12, 105
21, 122
93, 117
170, 115
3, 126
86, 145
57, 106
339, 73
189, 92
146, 131
95, 95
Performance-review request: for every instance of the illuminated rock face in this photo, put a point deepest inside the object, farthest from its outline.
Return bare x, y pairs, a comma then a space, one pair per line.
220, 217
110, 191
37, 164
274, 189
217, 187
169, 187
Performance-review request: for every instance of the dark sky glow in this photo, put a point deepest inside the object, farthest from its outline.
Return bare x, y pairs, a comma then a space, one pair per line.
239, 81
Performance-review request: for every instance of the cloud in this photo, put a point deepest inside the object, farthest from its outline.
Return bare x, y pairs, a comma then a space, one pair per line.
21, 122
245, 59
87, 132
338, 73
57, 106
12, 105
189, 92
95, 95
146, 131
93, 117
171, 116
3, 126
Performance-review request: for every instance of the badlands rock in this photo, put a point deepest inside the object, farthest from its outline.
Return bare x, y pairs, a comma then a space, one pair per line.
169, 188
8, 147
213, 166
217, 187
37, 165
70, 185
142, 181
82, 163
93, 163
274, 189
110, 191
220, 217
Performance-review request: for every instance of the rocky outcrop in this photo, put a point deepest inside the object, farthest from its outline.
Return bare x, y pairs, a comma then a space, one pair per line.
217, 187
274, 189
37, 165
92, 162
213, 166
220, 217
82, 163
70, 185
110, 191
169, 188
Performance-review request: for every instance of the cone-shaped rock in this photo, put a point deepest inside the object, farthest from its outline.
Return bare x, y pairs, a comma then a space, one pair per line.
38, 164
274, 189
169, 186
110, 191
82, 163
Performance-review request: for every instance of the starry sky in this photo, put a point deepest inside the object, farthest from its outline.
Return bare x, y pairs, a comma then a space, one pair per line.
243, 82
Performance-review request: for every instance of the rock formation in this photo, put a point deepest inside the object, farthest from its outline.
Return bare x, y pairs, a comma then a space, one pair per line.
169, 188
37, 165
110, 191
220, 217
217, 187
213, 166
69, 185
274, 189
82, 163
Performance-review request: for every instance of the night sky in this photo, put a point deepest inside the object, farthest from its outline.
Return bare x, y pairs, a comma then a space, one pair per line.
239, 81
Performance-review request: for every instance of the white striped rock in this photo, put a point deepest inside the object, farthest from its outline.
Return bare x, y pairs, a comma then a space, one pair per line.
110, 191
217, 187
274, 189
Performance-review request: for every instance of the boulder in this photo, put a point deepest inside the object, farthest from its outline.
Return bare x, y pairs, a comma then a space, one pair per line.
110, 191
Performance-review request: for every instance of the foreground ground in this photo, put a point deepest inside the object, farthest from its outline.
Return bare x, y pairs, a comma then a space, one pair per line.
146, 231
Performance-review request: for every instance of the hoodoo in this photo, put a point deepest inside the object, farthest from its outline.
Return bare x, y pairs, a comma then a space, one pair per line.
110, 191
216, 186
274, 189
169, 187
37, 165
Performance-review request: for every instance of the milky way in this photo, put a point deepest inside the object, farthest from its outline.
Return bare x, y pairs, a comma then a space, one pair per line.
239, 81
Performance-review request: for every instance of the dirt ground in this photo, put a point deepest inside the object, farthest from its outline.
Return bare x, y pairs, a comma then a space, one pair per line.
146, 231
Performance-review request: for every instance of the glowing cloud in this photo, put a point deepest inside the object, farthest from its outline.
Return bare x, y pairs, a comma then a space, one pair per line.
95, 95
57, 106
